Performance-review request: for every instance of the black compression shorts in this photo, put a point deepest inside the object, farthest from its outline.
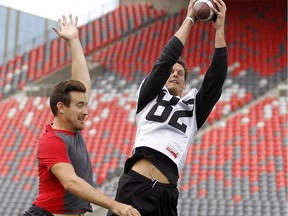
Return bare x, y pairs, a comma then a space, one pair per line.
149, 198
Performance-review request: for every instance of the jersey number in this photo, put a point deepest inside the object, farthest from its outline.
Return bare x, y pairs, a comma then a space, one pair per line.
166, 112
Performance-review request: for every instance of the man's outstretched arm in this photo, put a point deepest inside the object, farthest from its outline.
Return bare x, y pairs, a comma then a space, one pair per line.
184, 30
69, 32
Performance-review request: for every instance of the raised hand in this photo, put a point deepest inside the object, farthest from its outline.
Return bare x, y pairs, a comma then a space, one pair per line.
190, 11
68, 30
221, 14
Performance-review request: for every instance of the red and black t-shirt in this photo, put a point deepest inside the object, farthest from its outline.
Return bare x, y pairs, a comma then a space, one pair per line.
57, 146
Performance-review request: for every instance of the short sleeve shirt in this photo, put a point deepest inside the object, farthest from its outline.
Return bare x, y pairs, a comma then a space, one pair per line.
59, 146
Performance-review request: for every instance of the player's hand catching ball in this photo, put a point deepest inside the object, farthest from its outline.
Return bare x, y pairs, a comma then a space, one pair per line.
190, 11
221, 14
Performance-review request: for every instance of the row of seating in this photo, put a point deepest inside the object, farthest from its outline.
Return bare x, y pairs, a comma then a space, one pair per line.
250, 62
248, 44
244, 158
49, 57
254, 34
112, 99
236, 167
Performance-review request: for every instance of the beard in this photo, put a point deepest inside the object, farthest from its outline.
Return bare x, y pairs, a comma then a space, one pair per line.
76, 124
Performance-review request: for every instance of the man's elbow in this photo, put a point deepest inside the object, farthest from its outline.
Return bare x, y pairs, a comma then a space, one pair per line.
70, 184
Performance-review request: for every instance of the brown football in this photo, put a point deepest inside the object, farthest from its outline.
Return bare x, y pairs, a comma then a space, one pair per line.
202, 10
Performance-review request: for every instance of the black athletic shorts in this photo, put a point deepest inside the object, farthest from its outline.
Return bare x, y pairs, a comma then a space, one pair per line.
149, 198
37, 211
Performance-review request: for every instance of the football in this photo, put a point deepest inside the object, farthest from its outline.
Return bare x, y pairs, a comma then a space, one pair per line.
202, 10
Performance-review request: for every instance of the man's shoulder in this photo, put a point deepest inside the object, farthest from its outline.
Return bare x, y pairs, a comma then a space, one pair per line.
49, 137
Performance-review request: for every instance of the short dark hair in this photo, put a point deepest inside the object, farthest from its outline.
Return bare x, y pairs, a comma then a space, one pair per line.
184, 65
61, 93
